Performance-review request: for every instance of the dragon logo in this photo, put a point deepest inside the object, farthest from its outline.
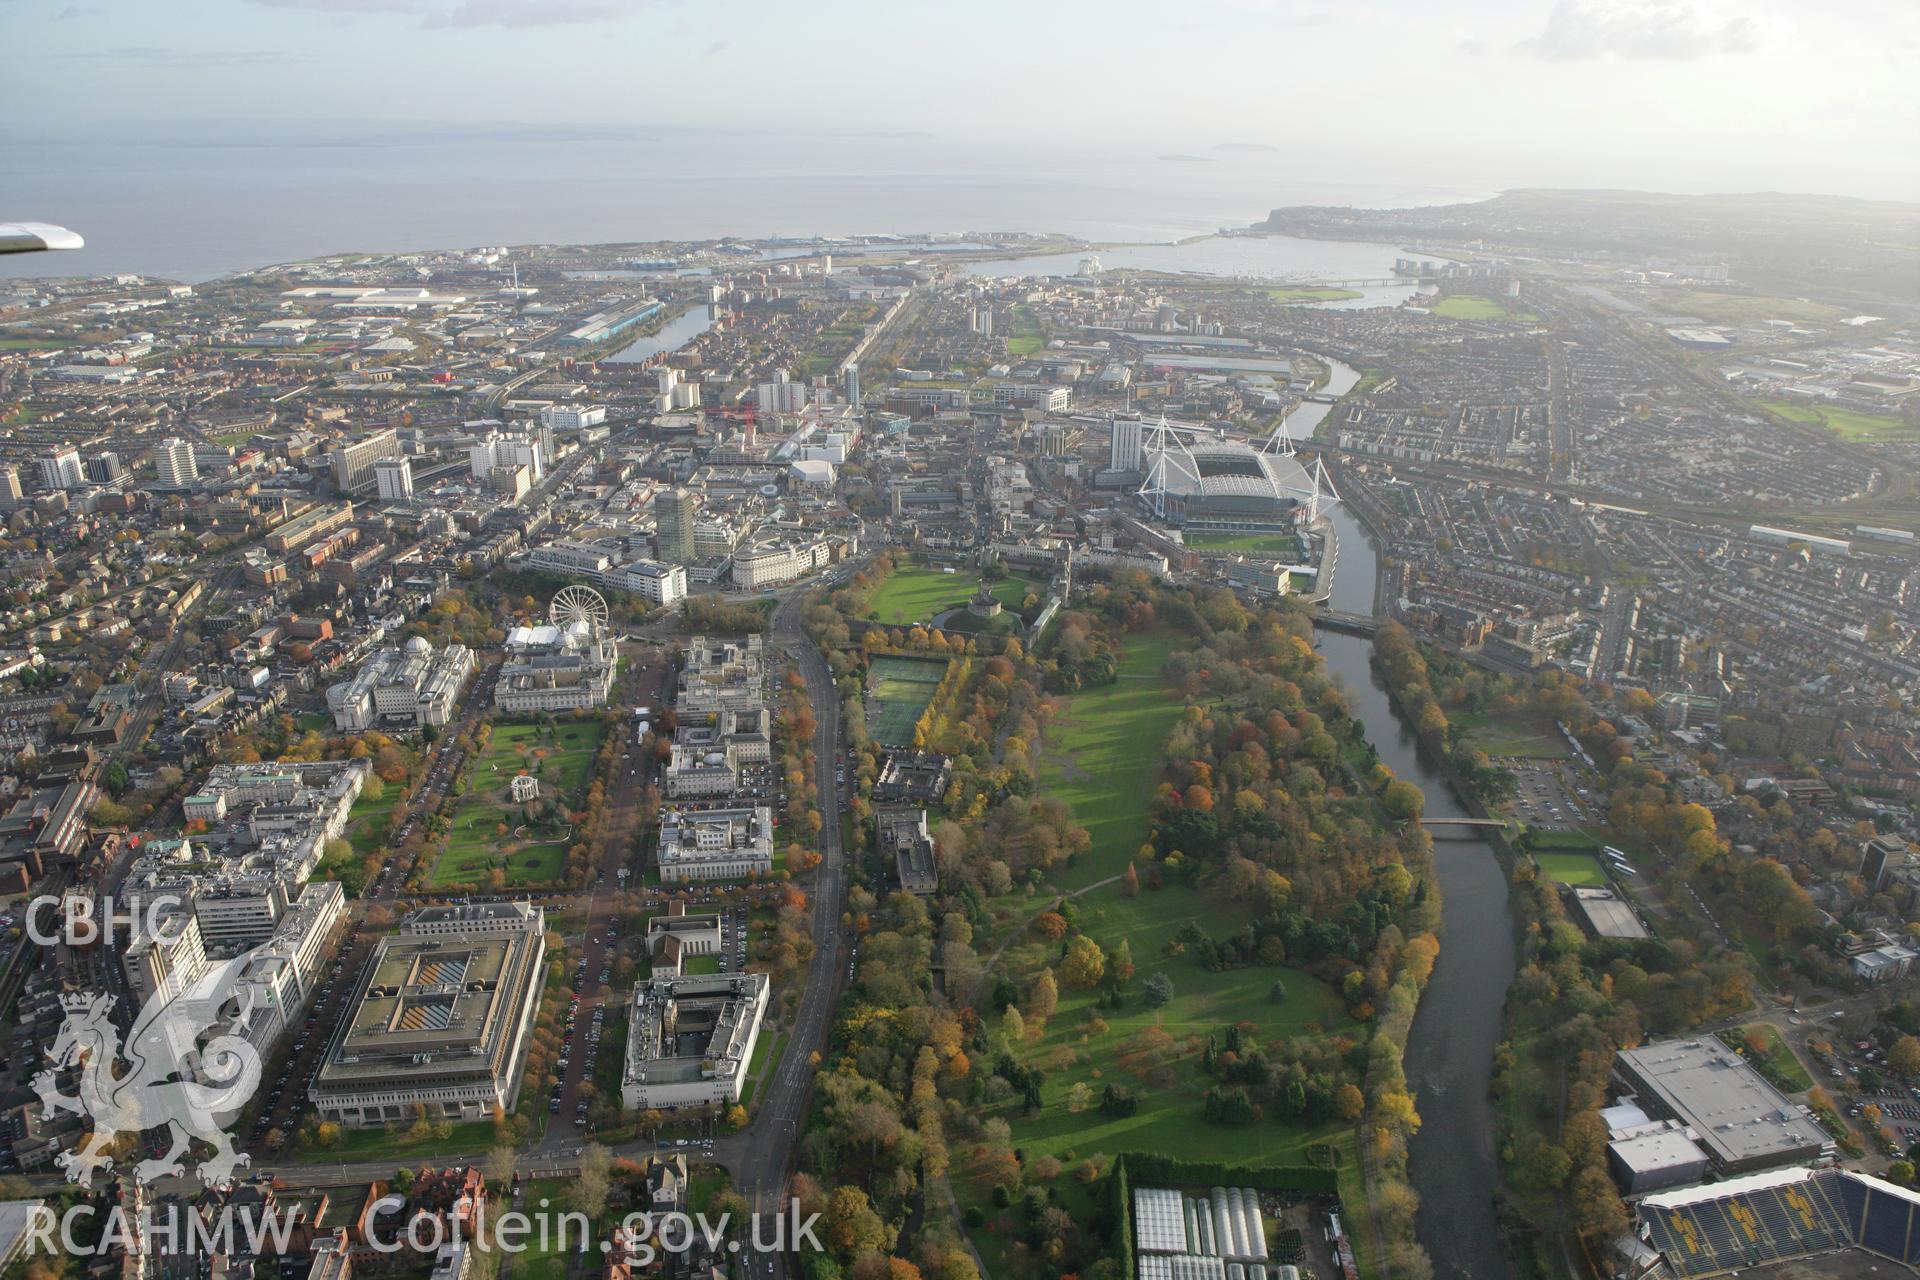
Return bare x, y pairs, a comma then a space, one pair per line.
172, 1080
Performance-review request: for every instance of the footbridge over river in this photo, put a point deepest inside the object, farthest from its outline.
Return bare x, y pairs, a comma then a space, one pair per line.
1354, 624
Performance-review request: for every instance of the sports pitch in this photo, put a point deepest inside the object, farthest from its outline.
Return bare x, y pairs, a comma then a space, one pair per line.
898, 690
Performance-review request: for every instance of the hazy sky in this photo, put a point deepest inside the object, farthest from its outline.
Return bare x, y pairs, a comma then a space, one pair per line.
1681, 94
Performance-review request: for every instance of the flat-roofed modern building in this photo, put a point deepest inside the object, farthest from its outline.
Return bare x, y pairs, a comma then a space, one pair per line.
651, 580
440, 1020
690, 1040
1744, 1123
1604, 913
353, 460
1657, 1156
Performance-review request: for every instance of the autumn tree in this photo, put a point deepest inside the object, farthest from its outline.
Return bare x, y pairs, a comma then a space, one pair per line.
1043, 997
1084, 964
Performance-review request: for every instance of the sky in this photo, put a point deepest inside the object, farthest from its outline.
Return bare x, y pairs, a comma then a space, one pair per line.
1662, 94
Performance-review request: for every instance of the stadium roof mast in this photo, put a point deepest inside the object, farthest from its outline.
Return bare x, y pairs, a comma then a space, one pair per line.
1154, 488
1322, 488
1280, 445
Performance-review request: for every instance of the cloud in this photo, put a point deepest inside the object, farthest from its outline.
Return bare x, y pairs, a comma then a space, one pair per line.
1296, 13
149, 55
478, 13
717, 48
1670, 30
74, 11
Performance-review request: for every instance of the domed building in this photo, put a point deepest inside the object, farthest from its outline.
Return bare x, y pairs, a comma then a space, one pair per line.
411, 686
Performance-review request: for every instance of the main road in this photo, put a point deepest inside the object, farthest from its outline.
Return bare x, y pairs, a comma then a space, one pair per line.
761, 1171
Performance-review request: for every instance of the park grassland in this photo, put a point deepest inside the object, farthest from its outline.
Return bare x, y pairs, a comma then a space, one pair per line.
1780, 1061
917, 594
1027, 339
1524, 735
1102, 755
1312, 293
1168, 1121
475, 846
1848, 424
1467, 306
367, 820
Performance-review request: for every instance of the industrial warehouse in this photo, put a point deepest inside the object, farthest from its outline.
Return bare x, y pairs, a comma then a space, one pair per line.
1729, 1111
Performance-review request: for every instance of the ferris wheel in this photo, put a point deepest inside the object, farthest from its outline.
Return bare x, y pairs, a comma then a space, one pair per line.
578, 604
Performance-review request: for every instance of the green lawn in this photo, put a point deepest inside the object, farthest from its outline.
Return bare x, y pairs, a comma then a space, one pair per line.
368, 819
1169, 1119
476, 846
1577, 869
550, 1262
1467, 306
1849, 424
1026, 338
1524, 735
700, 965
472, 1137
1311, 293
766, 1057
1744, 308
1102, 755
366, 827
916, 593
705, 1183
1275, 544
1784, 1065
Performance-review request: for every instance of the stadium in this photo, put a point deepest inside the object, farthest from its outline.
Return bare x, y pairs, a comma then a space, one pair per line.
1222, 486
1776, 1223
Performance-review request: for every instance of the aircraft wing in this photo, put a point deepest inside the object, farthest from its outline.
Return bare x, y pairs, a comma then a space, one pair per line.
34, 237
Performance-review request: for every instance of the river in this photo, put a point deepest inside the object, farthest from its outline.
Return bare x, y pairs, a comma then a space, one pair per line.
674, 334
1237, 257
1454, 1158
